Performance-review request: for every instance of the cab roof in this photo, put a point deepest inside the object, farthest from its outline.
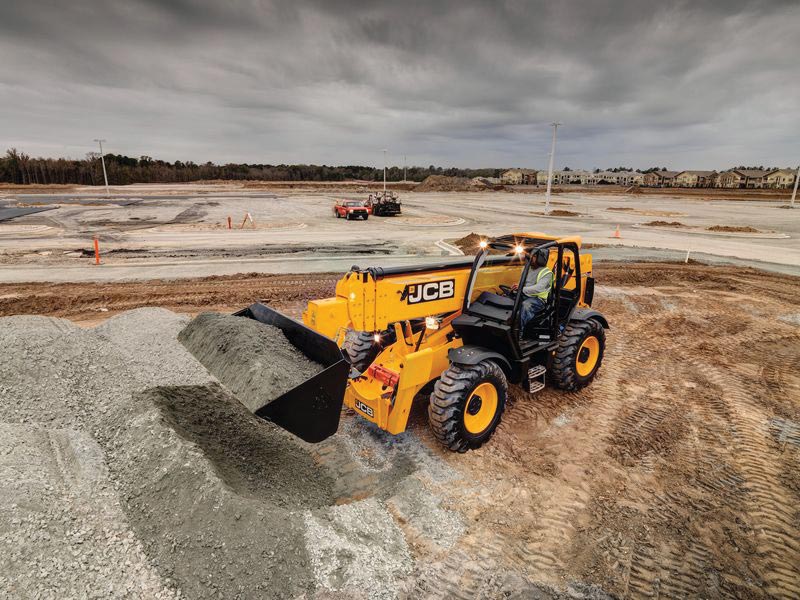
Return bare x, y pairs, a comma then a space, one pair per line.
532, 239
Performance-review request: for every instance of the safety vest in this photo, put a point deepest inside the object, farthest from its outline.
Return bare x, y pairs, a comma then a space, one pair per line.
543, 294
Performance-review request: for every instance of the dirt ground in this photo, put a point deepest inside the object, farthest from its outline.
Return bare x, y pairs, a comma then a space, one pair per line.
91, 303
675, 474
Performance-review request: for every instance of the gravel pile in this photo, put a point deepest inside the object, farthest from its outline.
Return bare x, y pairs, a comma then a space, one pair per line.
63, 531
253, 360
128, 471
202, 512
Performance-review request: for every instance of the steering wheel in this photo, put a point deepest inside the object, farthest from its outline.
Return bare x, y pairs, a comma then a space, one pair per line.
508, 291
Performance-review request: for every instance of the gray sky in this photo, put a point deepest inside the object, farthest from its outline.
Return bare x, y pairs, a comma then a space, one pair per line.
463, 83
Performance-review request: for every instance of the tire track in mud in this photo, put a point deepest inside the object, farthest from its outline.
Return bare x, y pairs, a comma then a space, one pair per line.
729, 431
775, 511
652, 566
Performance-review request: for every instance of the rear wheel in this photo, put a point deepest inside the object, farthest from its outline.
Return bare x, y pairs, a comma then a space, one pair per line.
338, 215
579, 354
466, 405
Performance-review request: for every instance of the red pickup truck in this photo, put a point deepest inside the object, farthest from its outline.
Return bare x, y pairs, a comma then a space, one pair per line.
351, 209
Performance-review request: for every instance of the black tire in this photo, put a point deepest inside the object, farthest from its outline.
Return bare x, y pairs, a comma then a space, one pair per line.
347, 216
366, 217
566, 372
449, 404
360, 349
338, 215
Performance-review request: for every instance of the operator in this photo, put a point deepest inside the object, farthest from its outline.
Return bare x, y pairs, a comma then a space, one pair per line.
537, 288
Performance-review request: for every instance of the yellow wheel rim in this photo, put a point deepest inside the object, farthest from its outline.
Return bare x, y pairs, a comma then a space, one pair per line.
588, 355
481, 408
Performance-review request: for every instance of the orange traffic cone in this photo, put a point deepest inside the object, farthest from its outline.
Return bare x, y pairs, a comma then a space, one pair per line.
617, 234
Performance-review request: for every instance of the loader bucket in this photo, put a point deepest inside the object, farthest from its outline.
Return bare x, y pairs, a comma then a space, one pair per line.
311, 409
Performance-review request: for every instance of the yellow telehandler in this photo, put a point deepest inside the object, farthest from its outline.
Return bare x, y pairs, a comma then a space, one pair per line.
451, 327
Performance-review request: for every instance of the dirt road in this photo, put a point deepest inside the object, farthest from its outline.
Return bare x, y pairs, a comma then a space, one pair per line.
674, 475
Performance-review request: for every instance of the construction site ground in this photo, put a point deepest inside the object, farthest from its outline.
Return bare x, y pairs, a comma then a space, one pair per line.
128, 472
172, 231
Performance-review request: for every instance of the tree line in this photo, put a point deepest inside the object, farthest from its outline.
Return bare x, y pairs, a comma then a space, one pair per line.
20, 168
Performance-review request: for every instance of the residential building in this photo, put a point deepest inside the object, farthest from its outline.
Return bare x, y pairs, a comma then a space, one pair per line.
626, 178
659, 179
562, 177
742, 178
602, 177
519, 177
576, 177
696, 179
781, 178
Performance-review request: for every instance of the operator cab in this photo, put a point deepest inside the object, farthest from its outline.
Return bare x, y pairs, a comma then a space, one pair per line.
492, 305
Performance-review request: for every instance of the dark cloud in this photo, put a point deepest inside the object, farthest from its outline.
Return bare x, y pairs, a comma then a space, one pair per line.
472, 83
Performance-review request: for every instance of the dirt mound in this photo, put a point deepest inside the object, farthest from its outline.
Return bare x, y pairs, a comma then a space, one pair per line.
469, 244
563, 213
664, 224
732, 229
620, 208
441, 183
254, 360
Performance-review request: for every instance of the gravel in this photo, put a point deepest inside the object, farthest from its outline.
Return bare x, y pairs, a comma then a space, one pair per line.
128, 471
422, 511
252, 359
63, 532
357, 547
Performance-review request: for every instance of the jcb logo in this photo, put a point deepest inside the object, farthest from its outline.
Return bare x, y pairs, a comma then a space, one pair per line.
427, 292
367, 410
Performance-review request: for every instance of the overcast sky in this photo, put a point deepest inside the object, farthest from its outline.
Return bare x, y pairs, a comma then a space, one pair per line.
679, 84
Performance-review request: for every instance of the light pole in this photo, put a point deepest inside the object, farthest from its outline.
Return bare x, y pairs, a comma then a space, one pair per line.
103, 161
405, 164
794, 192
550, 170
384, 171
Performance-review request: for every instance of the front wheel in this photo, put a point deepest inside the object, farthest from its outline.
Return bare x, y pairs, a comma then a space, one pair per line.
579, 355
466, 405
361, 349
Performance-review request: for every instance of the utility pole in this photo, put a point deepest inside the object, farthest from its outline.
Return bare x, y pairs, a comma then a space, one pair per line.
794, 192
103, 161
405, 165
550, 170
384, 171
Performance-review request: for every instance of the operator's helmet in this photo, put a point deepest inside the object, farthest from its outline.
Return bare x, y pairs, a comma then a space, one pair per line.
542, 256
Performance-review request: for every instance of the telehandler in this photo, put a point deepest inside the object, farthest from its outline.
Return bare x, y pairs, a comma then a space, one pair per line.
451, 328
